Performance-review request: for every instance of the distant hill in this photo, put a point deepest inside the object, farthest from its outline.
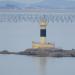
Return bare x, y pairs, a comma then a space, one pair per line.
50, 4
12, 5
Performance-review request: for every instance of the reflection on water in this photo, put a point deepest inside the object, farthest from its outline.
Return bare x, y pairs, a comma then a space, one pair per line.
55, 66
27, 65
42, 66
41, 62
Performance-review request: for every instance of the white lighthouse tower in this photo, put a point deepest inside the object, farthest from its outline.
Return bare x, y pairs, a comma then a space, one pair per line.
43, 43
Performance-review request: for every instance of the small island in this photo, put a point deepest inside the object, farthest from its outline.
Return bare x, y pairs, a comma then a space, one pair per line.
43, 52
48, 52
6, 52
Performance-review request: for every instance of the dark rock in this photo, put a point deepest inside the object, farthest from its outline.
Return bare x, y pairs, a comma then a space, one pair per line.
49, 52
43, 52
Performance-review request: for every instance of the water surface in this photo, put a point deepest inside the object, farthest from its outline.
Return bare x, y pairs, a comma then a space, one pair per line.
26, 65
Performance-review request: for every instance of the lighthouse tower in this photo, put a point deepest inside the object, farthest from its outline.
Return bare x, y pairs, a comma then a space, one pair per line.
43, 44
43, 25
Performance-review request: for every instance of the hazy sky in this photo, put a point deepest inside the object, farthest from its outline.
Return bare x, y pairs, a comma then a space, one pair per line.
25, 1
35, 1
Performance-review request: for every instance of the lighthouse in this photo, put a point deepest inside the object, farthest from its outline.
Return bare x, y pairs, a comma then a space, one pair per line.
43, 43
43, 25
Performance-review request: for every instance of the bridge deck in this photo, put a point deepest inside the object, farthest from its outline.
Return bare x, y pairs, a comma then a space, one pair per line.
34, 15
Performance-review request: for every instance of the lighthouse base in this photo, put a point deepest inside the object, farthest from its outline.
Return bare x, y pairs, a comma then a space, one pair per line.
42, 45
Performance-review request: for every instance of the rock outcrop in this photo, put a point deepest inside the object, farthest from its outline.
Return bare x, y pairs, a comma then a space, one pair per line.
48, 52
44, 52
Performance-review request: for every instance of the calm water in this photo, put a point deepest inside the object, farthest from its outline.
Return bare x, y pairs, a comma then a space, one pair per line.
26, 65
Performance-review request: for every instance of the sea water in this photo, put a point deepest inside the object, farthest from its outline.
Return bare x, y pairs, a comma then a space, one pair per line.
28, 65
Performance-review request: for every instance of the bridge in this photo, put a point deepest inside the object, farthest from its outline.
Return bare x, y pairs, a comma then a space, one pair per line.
34, 15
